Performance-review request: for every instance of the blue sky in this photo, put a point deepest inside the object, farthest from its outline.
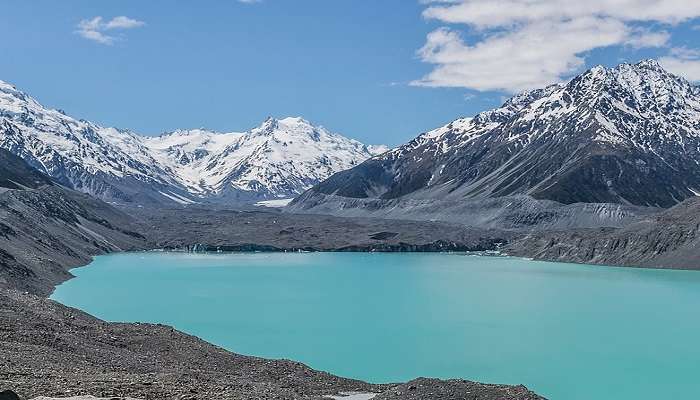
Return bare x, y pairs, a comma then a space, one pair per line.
379, 71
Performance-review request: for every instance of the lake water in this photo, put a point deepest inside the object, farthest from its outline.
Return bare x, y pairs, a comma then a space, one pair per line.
568, 332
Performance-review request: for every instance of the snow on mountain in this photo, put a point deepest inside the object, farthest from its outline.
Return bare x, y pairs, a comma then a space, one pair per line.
47, 135
629, 134
279, 159
106, 162
186, 155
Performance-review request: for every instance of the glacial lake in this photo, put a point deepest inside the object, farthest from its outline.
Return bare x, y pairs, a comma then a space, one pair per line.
568, 332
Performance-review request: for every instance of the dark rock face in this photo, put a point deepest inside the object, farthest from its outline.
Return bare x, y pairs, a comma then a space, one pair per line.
16, 174
627, 135
8, 395
383, 235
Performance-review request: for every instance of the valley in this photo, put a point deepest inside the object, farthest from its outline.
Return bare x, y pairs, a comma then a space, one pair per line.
600, 170
48, 229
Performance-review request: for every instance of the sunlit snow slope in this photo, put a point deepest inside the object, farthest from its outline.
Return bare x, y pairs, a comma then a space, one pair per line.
279, 159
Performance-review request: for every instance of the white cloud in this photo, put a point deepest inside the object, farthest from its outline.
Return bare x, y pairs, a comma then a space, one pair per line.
684, 62
123, 22
515, 61
523, 44
489, 13
642, 38
95, 28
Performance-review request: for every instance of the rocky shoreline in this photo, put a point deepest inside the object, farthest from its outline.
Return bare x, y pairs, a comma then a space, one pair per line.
52, 350
47, 349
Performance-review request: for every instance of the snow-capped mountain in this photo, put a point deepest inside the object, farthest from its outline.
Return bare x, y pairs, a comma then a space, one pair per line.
279, 159
629, 134
110, 163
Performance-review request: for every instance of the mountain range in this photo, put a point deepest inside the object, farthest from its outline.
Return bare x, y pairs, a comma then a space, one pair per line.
277, 160
623, 137
603, 169
607, 148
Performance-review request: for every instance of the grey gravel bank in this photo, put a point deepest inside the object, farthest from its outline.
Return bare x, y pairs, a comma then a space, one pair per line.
48, 349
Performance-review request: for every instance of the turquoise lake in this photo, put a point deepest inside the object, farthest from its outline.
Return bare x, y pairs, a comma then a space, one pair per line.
568, 332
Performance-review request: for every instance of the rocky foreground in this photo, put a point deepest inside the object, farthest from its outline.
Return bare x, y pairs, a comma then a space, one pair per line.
47, 349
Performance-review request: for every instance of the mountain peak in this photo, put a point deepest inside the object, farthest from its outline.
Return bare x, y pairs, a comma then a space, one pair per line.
628, 134
295, 121
6, 85
268, 126
278, 159
645, 67
289, 126
650, 63
272, 123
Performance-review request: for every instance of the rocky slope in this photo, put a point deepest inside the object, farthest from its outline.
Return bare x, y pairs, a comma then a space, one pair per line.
45, 227
628, 135
279, 159
511, 213
201, 229
670, 239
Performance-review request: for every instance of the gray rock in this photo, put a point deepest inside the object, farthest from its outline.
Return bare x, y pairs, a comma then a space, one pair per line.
670, 239
455, 389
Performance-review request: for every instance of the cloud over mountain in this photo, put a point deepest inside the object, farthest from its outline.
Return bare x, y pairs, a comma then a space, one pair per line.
515, 45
